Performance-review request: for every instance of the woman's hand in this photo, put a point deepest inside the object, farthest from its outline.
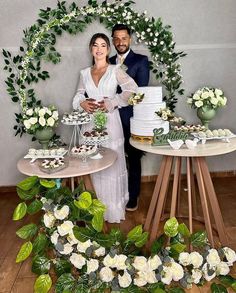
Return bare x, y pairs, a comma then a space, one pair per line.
89, 105
102, 105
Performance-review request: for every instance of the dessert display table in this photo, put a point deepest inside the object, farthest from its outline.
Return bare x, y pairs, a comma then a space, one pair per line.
195, 161
76, 168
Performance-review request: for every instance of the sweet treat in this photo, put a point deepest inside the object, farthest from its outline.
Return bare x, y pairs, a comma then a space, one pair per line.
144, 118
76, 117
53, 164
41, 153
83, 150
95, 135
215, 133
190, 128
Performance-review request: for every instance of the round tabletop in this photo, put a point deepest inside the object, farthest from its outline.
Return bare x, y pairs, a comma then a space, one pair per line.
76, 166
210, 148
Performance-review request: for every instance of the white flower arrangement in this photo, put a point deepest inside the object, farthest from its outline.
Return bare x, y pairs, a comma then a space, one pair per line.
167, 115
39, 118
135, 99
207, 97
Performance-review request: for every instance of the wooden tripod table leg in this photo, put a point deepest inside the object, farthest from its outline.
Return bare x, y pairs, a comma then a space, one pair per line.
177, 174
161, 198
88, 182
213, 201
203, 198
189, 186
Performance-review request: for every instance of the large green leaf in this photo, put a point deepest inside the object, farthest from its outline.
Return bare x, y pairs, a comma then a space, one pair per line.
64, 282
199, 239
159, 290
24, 252
82, 233
34, 207
62, 266
176, 290
97, 222
227, 280
20, 211
178, 247
82, 288
47, 183
142, 239
28, 183
40, 243
40, 265
217, 288
158, 244
42, 284
84, 201
135, 233
28, 194
27, 231
97, 207
183, 230
171, 227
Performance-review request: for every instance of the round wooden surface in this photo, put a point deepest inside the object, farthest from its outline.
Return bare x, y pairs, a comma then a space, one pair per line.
76, 166
210, 148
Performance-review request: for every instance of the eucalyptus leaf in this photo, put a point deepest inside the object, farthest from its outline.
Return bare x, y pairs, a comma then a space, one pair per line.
42, 284
27, 231
24, 252
20, 211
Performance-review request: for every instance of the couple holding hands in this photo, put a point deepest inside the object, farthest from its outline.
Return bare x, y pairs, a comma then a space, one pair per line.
107, 86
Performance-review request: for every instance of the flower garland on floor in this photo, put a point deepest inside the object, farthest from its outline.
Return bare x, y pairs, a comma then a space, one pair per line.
70, 241
26, 68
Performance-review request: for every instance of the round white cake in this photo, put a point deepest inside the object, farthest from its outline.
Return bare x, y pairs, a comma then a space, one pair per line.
144, 118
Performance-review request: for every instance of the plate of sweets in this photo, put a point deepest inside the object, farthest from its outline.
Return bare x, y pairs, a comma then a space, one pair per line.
83, 151
41, 153
95, 137
222, 134
76, 118
191, 128
53, 165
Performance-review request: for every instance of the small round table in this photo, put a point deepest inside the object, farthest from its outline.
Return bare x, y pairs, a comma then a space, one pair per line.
76, 168
195, 159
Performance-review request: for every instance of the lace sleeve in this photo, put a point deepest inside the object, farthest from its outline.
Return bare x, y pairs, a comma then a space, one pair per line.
79, 96
128, 87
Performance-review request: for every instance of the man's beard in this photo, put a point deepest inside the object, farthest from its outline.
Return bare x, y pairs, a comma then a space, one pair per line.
122, 52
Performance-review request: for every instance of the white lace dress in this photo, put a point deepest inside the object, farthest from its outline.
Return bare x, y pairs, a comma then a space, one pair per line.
111, 184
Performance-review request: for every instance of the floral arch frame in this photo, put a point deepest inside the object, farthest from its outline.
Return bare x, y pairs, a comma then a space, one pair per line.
40, 39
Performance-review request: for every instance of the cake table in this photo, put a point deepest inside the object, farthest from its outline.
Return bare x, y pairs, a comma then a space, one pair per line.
195, 160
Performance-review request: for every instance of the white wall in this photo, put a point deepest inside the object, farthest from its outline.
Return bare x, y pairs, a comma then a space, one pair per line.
205, 30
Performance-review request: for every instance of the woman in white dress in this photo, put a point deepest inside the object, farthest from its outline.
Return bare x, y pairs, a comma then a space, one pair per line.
100, 83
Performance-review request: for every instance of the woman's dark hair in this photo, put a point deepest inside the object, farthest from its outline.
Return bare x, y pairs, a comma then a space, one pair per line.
120, 27
101, 36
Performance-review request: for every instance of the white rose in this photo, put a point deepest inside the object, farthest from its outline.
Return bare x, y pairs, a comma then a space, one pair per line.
54, 237
196, 259
65, 228
50, 122
198, 104
67, 249
77, 260
154, 262
166, 275
184, 258
82, 246
140, 279
230, 255
222, 269
140, 263
71, 239
120, 262
42, 112
213, 258
62, 213
223, 101
214, 101
177, 271
205, 273
49, 220
48, 111
42, 121
27, 124
211, 94
33, 120
100, 251
29, 112
218, 92
125, 280
151, 277
92, 265
55, 115
205, 95
189, 101
196, 276
196, 97
109, 261
106, 274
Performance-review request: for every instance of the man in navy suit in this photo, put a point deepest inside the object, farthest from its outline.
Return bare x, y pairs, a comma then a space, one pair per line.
137, 66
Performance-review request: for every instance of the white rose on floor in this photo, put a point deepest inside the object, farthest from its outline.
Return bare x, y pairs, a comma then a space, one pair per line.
154, 262
140, 263
67, 249
106, 274
50, 122
49, 220
196, 276
42, 121
206, 274
33, 120
109, 261
77, 260
71, 239
166, 275
62, 213
42, 112
230, 255
92, 265
125, 280
140, 279
55, 115
29, 112
100, 251
82, 246
196, 259
213, 258
177, 271
184, 258
120, 262
54, 237
27, 124
65, 228
222, 269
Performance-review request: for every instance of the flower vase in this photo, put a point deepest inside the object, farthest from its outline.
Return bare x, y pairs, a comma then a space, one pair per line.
44, 135
206, 114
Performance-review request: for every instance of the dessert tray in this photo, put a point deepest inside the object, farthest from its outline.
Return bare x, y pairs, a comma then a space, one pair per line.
76, 118
43, 154
83, 151
220, 134
95, 137
53, 165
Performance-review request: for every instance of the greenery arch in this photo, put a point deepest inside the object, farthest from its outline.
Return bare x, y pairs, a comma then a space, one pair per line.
40, 39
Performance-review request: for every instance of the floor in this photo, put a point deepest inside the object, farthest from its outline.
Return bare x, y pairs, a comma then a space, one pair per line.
18, 278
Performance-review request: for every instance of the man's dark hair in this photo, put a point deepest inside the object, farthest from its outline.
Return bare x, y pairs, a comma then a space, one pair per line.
119, 27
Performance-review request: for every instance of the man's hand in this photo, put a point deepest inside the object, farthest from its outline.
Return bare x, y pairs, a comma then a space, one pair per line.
89, 105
